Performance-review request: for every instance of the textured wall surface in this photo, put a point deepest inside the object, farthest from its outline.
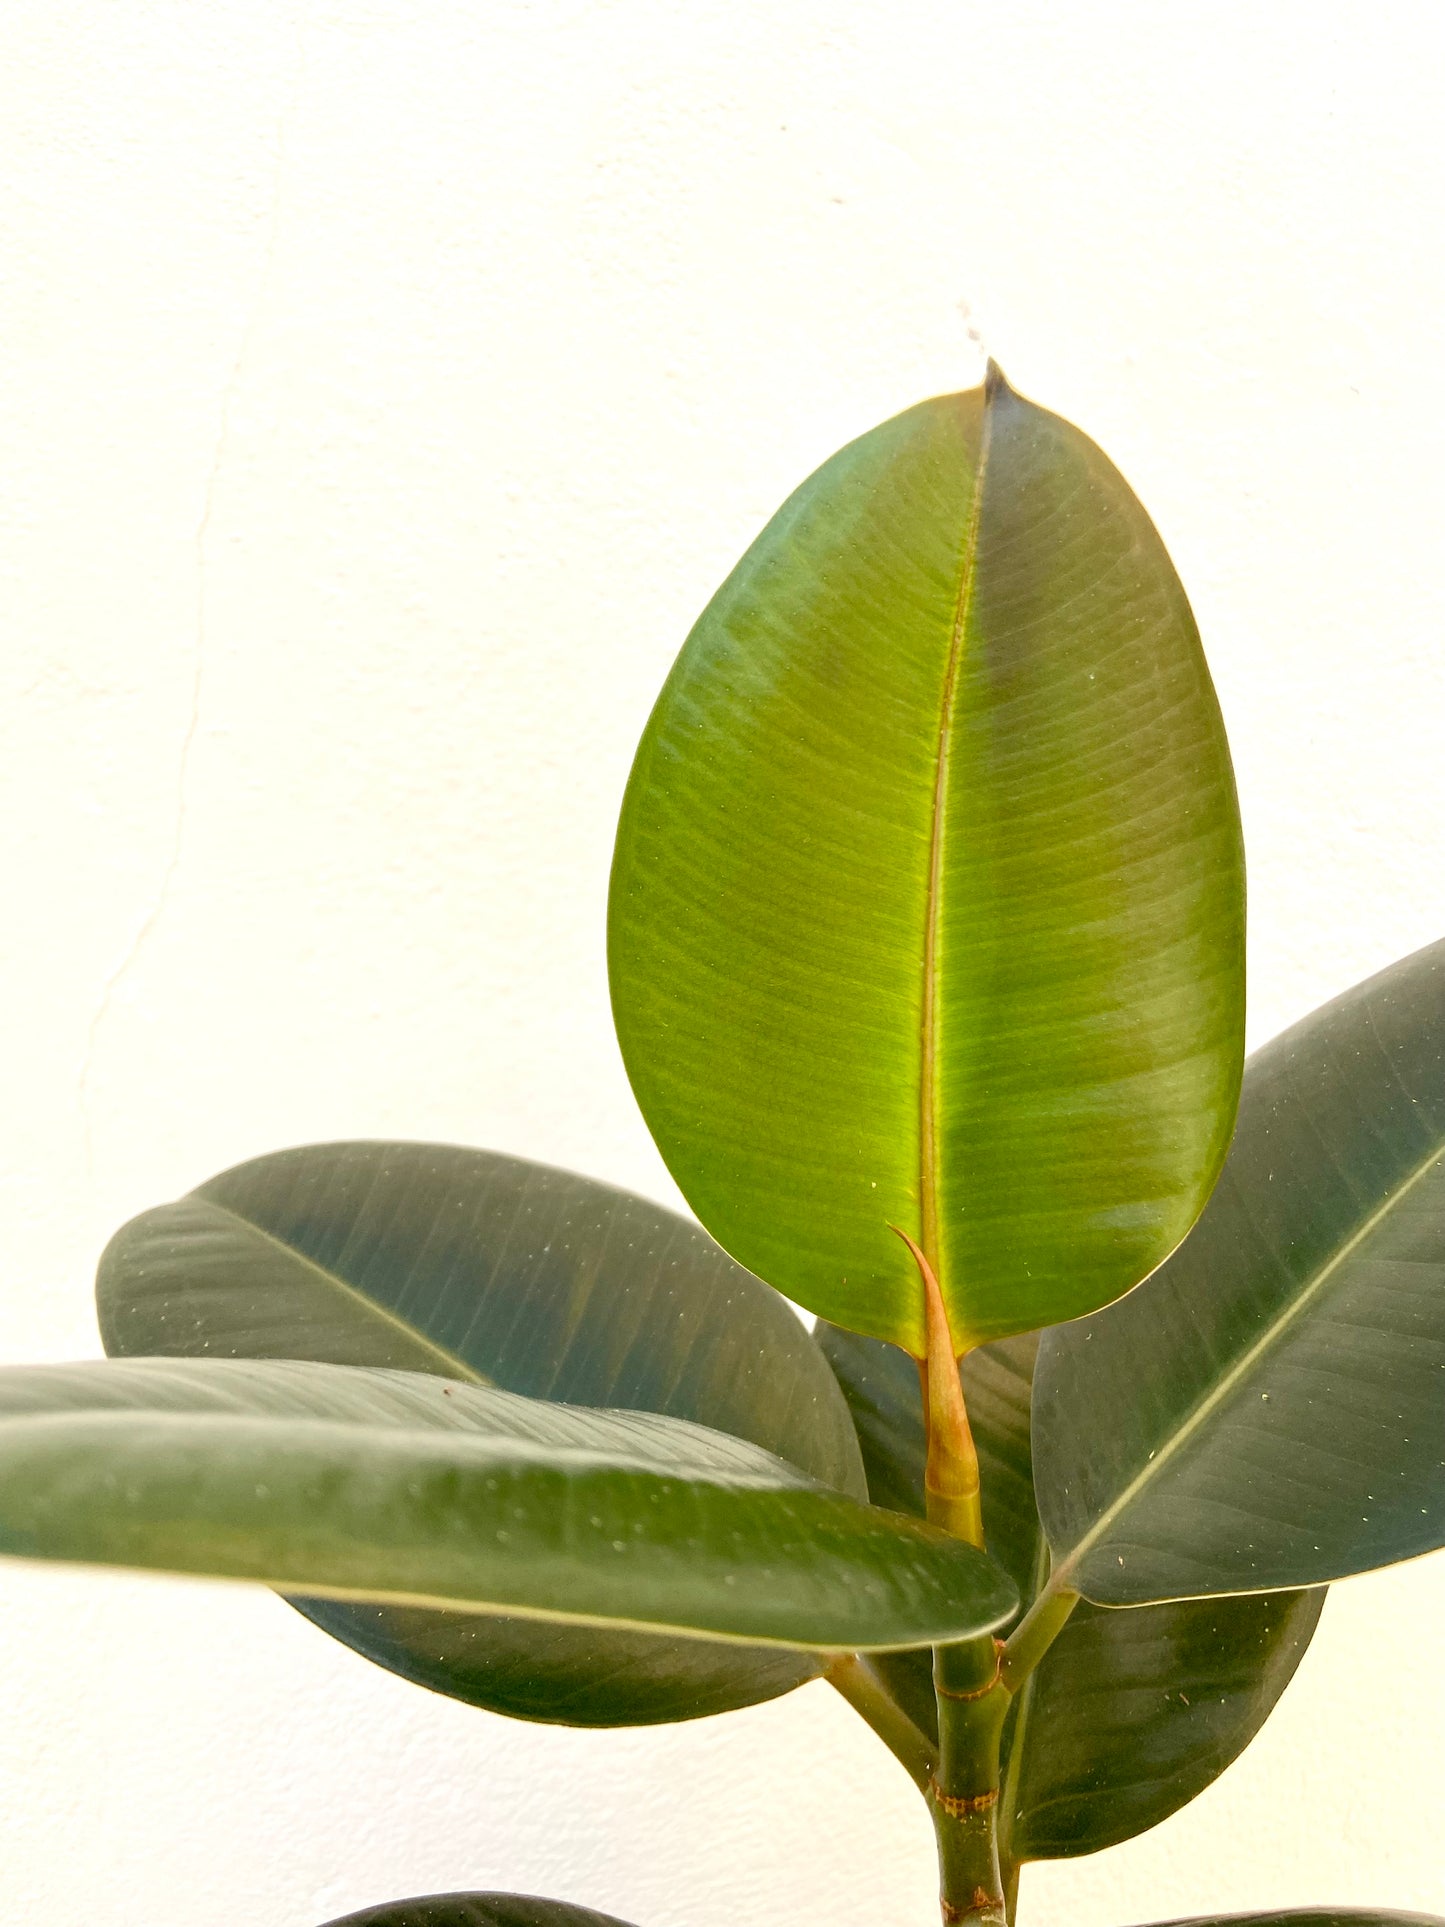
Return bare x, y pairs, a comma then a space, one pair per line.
385, 385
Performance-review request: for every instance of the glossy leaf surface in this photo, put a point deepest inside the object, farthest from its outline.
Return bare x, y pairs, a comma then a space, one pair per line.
1130, 1714
350, 1481
478, 1910
503, 1272
927, 902
1135, 1712
1269, 1408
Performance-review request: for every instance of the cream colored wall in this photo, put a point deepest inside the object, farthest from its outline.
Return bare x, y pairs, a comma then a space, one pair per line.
385, 385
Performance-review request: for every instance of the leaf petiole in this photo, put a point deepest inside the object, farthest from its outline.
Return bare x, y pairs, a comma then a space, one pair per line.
1035, 1633
855, 1679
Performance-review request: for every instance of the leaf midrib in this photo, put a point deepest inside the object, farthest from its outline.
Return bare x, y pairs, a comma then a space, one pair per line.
1204, 1407
456, 1367
928, 1077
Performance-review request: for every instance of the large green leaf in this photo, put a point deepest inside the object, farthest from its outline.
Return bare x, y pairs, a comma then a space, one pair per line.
351, 1481
478, 1910
503, 1272
1130, 1714
927, 904
1269, 1409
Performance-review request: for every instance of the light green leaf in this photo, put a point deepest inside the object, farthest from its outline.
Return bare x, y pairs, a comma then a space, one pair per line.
927, 904
1269, 1409
1129, 1714
498, 1271
353, 1482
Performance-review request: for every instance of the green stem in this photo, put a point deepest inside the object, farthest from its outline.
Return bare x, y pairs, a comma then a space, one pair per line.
856, 1680
963, 1798
1011, 1892
973, 1699
1035, 1633
1022, 1709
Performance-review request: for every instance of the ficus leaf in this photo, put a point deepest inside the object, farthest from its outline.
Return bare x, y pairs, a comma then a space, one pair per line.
1269, 1408
499, 1271
1135, 1712
1130, 1714
478, 1910
355, 1482
1313, 1917
927, 902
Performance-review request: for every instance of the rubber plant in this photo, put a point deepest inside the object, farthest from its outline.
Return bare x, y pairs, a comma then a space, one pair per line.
927, 958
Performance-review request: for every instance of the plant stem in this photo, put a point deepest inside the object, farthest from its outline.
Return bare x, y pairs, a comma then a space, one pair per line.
972, 1704
1011, 1892
856, 1680
1023, 1705
1035, 1633
973, 1700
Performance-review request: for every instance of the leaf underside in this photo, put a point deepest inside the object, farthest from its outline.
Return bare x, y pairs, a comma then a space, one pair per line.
1267, 1409
927, 902
492, 1269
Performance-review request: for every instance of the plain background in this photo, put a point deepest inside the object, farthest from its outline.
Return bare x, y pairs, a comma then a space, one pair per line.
385, 386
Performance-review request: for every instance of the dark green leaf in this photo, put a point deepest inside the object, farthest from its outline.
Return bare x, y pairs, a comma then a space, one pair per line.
1130, 1714
478, 1910
502, 1272
1134, 1712
350, 1481
927, 904
1313, 1917
533, 1669
1269, 1408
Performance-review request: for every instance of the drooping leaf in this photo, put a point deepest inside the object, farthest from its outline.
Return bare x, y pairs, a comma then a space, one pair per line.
356, 1482
927, 902
478, 1910
1136, 1711
1313, 1917
496, 1270
1269, 1408
1130, 1714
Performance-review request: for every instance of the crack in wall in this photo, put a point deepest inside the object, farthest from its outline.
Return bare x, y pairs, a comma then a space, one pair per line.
149, 922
